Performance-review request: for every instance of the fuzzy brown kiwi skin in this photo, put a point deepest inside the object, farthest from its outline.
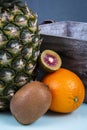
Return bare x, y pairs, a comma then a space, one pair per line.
49, 69
31, 102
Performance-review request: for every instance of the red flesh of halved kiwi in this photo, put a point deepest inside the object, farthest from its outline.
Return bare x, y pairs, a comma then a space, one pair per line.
50, 60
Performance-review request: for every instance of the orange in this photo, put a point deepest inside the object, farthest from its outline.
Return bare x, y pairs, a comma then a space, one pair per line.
67, 90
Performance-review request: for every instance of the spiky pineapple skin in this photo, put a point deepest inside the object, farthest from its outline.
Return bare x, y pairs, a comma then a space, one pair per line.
19, 50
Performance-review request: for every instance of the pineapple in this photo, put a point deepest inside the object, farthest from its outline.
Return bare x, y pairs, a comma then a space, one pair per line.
19, 48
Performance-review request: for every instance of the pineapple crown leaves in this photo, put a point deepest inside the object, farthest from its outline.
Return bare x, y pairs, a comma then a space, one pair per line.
9, 3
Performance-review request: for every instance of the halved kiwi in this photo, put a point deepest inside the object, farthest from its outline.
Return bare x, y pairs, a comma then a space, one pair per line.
50, 60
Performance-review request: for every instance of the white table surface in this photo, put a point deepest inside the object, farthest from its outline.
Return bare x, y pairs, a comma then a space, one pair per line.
50, 121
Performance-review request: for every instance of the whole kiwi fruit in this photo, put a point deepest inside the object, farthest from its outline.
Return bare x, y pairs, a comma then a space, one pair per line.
31, 102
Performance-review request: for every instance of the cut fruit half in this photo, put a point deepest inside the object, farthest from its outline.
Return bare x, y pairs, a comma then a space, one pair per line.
50, 60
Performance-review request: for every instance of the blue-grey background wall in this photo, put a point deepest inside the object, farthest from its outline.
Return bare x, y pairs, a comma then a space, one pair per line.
59, 10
